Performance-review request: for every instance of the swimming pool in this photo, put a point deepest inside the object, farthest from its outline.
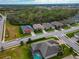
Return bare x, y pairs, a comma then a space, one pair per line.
37, 55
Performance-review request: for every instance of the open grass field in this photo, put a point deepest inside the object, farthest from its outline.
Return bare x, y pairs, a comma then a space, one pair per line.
71, 34
20, 52
12, 31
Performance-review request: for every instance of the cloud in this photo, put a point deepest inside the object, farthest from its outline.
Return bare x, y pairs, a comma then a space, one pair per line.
57, 1
37, 1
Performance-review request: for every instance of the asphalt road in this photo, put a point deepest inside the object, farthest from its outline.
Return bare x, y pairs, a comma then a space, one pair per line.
70, 43
1, 27
60, 34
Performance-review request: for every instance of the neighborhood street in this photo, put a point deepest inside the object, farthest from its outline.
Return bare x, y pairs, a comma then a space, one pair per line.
70, 43
1, 26
60, 34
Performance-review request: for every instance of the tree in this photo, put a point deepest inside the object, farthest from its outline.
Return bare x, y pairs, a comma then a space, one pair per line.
21, 43
2, 49
29, 40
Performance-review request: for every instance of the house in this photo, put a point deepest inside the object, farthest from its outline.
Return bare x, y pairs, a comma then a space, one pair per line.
57, 25
37, 26
26, 29
47, 26
47, 49
71, 20
76, 18
68, 21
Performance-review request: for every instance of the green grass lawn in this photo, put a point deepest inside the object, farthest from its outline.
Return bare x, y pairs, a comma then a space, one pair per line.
38, 31
76, 24
42, 39
66, 27
71, 34
20, 52
66, 52
49, 30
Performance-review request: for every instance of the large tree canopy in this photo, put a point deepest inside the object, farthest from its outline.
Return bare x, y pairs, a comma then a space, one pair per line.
39, 15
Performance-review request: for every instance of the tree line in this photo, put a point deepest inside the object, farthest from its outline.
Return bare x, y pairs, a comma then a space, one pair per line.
40, 15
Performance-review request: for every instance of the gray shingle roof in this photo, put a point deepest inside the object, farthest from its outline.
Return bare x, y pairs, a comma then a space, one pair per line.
52, 50
68, 21
71, 20
37, 26
56, 23
46, 49
46, 25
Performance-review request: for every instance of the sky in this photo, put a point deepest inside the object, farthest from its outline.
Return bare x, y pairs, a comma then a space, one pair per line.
37, 1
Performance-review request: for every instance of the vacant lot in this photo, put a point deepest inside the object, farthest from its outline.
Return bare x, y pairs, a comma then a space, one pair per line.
12, 31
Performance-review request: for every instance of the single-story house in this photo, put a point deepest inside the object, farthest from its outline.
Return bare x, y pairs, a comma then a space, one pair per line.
26, 29
76, 18
37, 26
47, 49
57, 25
68, 21
47, 26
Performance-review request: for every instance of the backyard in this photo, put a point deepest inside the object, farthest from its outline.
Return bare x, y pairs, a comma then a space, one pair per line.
20, 52
66, 52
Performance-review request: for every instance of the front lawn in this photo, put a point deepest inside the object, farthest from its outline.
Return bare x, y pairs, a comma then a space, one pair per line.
49, 30
75, 24
66, 27
38, 31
